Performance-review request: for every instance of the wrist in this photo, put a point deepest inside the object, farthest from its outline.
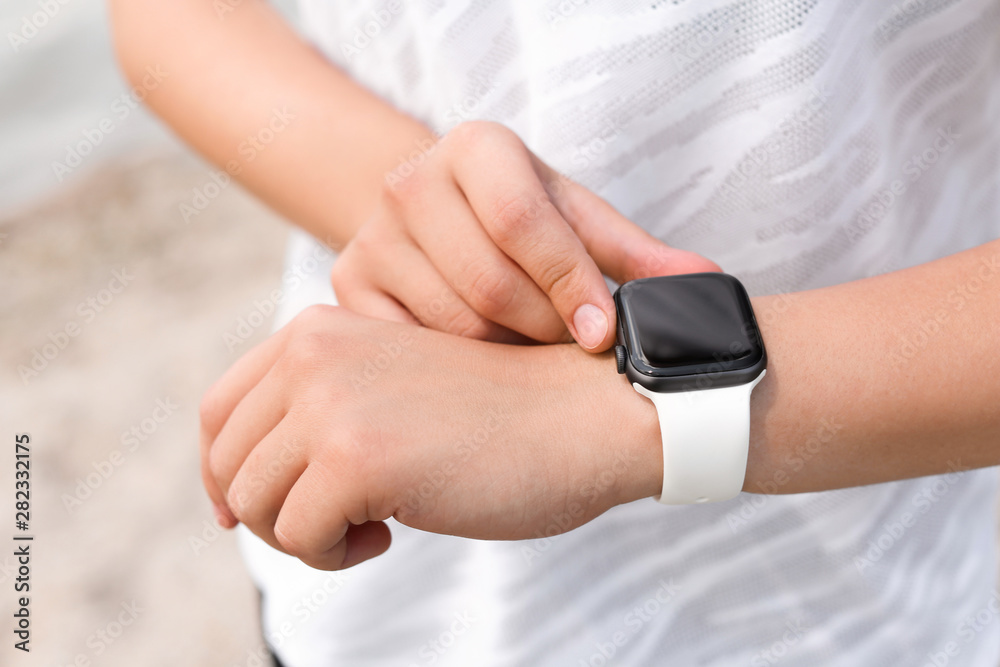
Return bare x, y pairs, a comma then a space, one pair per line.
637, 428
617, 427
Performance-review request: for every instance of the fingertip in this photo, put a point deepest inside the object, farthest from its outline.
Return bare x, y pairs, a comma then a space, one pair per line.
224, 517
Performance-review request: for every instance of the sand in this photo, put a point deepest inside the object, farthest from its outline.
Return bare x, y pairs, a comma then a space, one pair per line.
117, 517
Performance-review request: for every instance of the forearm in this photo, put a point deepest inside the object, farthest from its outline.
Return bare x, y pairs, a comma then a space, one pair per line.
227, 75
886, 378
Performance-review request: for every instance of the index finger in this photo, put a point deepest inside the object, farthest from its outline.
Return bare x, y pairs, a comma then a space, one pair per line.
517, 212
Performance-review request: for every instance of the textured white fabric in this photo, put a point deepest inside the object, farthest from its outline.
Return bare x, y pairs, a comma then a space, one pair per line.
798, 144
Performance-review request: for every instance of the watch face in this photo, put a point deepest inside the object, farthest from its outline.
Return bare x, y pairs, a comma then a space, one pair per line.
686, 325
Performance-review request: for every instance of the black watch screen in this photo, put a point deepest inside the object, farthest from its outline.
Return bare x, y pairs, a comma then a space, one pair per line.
675, 327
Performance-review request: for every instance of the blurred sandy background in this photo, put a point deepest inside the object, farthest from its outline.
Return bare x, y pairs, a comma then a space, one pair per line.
121, 537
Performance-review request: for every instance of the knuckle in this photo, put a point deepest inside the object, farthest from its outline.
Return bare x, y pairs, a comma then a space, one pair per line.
360, 447
464, 322
217, 465
210, 409
368, 241
512, 218
474, 132
376, 242
469, 133
307, 350
314, 317
560, 278
346, 278
365, 253
399, 193
239, 503
339, 275
492, 292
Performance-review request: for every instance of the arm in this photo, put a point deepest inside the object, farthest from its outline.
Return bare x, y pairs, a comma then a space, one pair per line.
225, 78
480, 221
504, 442
887, 378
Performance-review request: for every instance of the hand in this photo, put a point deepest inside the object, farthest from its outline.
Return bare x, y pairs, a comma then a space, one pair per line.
486, 241
338, 422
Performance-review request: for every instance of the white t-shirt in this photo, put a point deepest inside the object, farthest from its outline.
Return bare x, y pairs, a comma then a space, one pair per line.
798, 144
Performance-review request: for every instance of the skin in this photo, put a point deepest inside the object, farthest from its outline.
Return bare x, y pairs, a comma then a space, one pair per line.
312, 445
484, 227
508, 253
313, 461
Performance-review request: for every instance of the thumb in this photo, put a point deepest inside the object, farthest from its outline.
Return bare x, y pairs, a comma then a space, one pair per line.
652, 257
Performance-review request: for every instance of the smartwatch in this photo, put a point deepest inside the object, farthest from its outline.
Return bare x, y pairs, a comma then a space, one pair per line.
691, 345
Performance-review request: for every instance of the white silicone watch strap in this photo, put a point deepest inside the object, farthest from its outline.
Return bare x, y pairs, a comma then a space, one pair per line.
706, 436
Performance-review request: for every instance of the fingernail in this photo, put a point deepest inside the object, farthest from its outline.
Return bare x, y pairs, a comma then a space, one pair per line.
591, 325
